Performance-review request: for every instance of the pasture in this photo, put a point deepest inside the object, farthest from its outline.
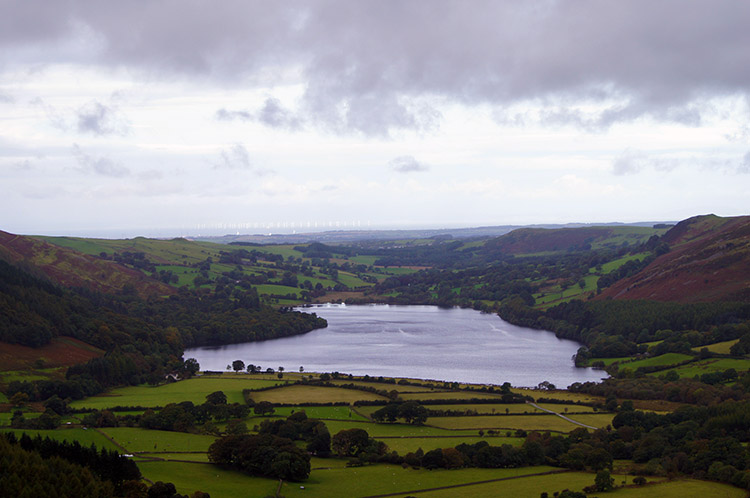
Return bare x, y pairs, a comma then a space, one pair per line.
195, 390
301, 394
137, 440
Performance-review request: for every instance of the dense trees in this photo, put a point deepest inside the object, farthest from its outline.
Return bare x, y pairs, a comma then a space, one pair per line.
263, 455
143, 339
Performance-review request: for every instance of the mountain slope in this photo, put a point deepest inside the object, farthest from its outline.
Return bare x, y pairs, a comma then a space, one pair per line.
543, 240
709, 260
74, 269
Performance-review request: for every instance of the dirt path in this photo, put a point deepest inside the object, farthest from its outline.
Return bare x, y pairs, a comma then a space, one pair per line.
561, 416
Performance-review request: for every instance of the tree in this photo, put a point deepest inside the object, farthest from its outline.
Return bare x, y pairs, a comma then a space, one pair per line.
413, 413
263, 408
19, 399
192, 366
252, 368
238, 365
350, 442
217, 398
604, 481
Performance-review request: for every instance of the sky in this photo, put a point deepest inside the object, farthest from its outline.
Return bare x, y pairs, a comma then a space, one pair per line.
193, 117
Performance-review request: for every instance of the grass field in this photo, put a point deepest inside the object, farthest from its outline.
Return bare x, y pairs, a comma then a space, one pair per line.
135, 440
683, 488
386, 479
663, 360
218, 482
395, 430
507, 422
195, 390
299, 394
719, 347
560, 395
404, 445
529, 487
323, 412
388, 387
709, 366
189, 457
86, 437
449, 395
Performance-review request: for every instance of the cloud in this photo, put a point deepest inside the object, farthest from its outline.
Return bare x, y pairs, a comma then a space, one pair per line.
227, 115
365, 65
407, 164
272, 114
744, 166
98, 119
235, 157
99, 165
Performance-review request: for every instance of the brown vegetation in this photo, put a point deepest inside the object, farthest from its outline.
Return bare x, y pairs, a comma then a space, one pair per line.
74, 269
709, 260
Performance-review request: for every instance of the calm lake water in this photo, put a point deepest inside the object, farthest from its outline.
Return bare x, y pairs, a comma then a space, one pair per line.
423, 342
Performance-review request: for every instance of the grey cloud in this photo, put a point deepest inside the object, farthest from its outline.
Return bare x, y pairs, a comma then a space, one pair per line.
236, 157
365, 63
277, 116
745, 164
99, 119
272, 114
227, 115
99, 165
407, 164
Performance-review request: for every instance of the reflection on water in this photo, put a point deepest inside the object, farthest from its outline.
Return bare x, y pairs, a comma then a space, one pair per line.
424, 342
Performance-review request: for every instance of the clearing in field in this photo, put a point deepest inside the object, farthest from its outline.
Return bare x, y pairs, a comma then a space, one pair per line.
299, 395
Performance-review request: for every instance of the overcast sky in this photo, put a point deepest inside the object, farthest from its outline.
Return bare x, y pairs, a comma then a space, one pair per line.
187, 117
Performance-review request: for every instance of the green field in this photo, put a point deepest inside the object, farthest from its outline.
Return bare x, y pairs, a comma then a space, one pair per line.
136, 440
195, 390
404, 445
386, 479
709, 366
449, 395
300, 394
323, 412
86, 437
218, 482
395, 430
527, 422
719, 347
663, 360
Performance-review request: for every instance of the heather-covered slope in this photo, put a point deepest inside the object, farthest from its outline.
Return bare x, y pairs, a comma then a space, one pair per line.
709, 260
74, 269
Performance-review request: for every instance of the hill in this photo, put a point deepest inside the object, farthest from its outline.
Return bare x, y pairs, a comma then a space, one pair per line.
71, 268
709, 260
543, 240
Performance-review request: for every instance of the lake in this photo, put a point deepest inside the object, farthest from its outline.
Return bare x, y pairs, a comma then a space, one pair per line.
424, 342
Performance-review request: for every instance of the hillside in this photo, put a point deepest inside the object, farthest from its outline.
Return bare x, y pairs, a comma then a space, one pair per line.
542, 240
709, 260
71, 268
